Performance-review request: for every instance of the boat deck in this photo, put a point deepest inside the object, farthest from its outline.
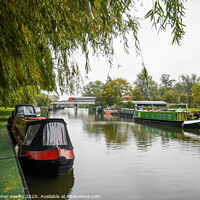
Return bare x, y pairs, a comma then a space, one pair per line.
11, 184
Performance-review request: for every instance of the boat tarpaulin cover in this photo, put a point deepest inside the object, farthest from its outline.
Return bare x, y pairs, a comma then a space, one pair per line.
54, 133
47, 133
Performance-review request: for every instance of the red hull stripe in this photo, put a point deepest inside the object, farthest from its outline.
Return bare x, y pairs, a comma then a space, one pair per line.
48, 155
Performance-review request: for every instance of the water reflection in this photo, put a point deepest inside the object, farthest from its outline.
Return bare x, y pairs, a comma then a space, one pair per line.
42, 186
145, 135
118, 132
115, 133
119, 159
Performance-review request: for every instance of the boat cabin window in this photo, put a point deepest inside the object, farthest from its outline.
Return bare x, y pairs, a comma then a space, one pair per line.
25, 110
20, 128
54, 133
164, 115
31, 133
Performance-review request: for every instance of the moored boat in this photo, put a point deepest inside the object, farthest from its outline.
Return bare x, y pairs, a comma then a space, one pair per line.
44, 144
191, 124
108, 111
170, 118
166, 117
126, 112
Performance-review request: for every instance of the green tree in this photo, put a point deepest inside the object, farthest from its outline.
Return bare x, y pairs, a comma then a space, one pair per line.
171, 97
169, 13
165, 80
25, 94
43, 100
162, 90
115, 90
137, 95
39, 38
93, 88
183, 98
180, 88
55, 97
145, 84
188, 81
128, 104
156, 96
196, 92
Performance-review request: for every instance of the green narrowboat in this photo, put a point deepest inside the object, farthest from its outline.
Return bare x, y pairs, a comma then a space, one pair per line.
170, 118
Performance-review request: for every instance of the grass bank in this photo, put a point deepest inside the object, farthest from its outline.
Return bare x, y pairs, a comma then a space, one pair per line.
5, 112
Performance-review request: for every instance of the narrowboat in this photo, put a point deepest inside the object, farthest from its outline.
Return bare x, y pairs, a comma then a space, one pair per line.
167, 117
170, 118
126, 112
44, 144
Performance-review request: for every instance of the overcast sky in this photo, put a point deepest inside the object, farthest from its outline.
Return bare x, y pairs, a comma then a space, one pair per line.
160, 57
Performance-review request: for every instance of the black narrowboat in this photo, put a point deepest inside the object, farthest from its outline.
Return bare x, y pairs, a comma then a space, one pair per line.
44, 144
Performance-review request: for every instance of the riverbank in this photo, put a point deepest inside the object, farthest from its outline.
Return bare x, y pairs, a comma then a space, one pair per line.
5, 113
11, 181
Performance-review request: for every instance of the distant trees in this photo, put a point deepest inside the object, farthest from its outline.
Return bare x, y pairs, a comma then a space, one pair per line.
137, 95
196, 92
186, 90
171, 97
43, 100
165, 80
93, 88
55, 97
183, 98
108, 93
145, 84
115, 90
128, 104
187, 82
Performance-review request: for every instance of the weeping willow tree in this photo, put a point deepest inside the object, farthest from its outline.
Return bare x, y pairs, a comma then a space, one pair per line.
38, 38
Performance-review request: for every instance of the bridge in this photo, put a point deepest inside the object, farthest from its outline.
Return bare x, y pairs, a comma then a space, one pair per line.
72, 102
75, 101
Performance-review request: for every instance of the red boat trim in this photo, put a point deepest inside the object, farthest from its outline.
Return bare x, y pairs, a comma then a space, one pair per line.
69, 154
41, 155
53, 154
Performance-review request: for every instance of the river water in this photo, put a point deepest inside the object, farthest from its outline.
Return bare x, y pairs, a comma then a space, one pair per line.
118, 159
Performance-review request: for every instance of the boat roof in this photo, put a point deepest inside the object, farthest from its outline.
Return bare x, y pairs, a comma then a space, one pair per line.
148, 103
160, 111
23, 104
40, 120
